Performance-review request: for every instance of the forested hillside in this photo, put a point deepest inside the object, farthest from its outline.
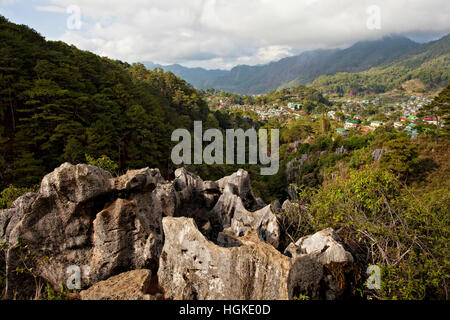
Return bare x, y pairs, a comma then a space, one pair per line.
429, 64
60, 104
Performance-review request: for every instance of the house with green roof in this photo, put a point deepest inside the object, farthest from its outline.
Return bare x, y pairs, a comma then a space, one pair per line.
351, 124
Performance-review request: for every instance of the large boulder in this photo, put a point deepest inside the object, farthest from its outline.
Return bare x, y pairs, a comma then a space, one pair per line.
82, 216
321, 266
64, 224
192, 267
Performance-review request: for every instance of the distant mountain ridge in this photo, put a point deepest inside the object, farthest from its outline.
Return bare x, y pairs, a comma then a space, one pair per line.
306, 67
426, 66
195, 76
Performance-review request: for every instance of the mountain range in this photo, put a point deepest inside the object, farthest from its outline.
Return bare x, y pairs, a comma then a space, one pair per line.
308, 66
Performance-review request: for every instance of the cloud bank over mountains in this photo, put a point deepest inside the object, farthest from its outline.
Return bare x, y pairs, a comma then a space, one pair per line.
224, 33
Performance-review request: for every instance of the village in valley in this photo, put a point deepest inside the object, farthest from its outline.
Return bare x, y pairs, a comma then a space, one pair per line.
353, 115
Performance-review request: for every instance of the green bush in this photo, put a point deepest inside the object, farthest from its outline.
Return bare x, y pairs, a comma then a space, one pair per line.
8, 195
404, 234
104, 162
401, 157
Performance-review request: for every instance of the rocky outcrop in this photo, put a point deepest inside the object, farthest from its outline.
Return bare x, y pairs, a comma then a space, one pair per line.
326, 242
341, 150
83, 216
230, 211
191, 267
132, 285
199, 239
320, 265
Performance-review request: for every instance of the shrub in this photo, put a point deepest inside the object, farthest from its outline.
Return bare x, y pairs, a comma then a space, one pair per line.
404, 234
8, 195
401, 158
104, 162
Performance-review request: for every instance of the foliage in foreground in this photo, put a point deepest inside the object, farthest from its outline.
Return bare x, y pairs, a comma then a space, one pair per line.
386, 224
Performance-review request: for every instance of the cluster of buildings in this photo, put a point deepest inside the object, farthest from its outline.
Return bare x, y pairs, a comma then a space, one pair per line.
353, 124
402, 114
407, 122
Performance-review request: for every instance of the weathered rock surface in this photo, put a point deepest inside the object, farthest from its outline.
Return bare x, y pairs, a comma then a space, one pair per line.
83, 216
231, 212
132, 285
319, 266
325, 242
191, 267
340, 150
203, 239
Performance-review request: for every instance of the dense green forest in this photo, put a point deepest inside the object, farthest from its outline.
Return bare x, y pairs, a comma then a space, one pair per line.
299, 94
60, 104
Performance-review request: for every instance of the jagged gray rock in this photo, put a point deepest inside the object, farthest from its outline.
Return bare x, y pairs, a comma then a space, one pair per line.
57, 223
83, 216
241, 181
377, 153
326, 242
231, 212
192, 267
314, 260
341, 150
204, 239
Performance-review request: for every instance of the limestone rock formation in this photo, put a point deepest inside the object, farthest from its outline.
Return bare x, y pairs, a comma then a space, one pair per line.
83, 216
231, 212
191, 267
132, 285
314, 260
203, 239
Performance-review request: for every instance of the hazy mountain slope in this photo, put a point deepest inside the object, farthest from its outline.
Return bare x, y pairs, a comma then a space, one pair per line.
429, 63
303, 68
195, 76
309, 65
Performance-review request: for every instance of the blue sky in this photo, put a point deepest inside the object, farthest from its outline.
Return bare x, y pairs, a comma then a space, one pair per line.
224, 33
49, 24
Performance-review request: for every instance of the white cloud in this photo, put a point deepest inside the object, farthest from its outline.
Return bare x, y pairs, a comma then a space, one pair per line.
223, 33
